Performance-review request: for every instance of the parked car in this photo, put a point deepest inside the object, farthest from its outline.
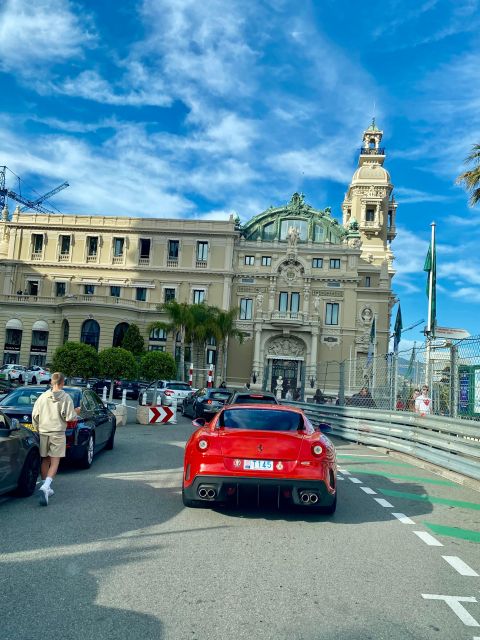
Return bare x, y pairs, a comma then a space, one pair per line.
13, 372
92, 430
252, 397
260, 450
5, 388
205, 403
38, 375
132, 387
19, 457
167, 390
98, 385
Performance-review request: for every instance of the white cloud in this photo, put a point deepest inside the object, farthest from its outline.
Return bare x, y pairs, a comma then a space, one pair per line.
43, 32
468, 294
411, 196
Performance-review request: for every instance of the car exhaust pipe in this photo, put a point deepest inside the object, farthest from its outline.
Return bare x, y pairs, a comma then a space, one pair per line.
305, 497
211, 493
313, 498
203, 493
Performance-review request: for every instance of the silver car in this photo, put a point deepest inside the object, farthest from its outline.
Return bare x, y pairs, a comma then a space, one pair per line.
167, 392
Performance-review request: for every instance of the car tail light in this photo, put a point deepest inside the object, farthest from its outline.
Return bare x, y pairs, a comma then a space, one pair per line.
317, 450
202, 444
168, 392
71, 424
208, 402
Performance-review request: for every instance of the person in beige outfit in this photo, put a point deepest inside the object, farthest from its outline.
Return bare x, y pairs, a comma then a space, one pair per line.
51, 412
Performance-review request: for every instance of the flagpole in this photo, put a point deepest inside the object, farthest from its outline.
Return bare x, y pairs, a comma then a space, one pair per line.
430, 297
374, 377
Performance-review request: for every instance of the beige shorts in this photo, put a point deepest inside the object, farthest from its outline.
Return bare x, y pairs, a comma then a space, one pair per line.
52, 444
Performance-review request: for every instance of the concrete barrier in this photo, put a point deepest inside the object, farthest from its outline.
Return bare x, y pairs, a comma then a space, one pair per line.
121, 415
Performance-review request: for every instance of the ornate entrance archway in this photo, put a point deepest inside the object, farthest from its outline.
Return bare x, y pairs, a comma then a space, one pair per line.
285, 358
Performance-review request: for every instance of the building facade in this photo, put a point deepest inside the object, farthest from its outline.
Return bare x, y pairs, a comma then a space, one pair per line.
307, 286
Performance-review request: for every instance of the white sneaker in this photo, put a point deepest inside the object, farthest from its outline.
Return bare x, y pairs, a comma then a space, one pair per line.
43, 495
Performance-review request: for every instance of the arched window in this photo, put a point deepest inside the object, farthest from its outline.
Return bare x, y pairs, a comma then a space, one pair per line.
119, 334
65, 331
90, 333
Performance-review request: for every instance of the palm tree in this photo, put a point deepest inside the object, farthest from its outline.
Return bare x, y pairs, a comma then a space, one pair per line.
224, 322
180, 320
471, 178
203, 327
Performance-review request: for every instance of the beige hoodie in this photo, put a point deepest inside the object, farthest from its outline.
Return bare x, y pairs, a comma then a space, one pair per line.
52, 410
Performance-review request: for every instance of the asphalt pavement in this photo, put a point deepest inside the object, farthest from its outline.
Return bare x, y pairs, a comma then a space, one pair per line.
116, 555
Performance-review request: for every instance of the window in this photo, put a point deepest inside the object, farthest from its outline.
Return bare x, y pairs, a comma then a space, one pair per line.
118, 246
32, 288
65, 242
65, 331
169, 294
250, 260
269, 231
60, 289
144, 248
368, 281
300, 225
115, 291
317, 263
202, 251
119, 334
198, 296
158, 334
266, 261
211, 356
156, 347
90, 333
37, 242
319, 233
246, 306
89, 289
295, 302
331, 315
283, 301
390, 218
141, 294
334, 263
173, 248
92, 246
370, 215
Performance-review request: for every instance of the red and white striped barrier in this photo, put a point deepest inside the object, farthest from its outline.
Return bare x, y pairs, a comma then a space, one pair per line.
190, 375
210, 378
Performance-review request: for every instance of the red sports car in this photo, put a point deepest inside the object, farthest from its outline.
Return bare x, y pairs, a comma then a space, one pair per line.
260, 450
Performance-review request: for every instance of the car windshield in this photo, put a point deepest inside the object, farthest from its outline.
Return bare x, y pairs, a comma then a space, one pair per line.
253, 399
179, 386
219, 395
27, 397
261, 420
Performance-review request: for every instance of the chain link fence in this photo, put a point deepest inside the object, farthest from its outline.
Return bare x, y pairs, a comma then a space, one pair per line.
451, 370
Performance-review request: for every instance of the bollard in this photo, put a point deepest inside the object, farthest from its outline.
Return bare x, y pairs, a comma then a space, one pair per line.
26, 381
124, 397
173, 407
190, 375
144, 398
104, 394
159, 400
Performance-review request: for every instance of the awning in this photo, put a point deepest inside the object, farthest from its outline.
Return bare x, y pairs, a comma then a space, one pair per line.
14, 324
40, 325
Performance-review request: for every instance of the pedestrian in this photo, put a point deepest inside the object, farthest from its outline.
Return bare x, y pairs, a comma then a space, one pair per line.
247, 386
400, 405
362, 399
423, 403
50, 414
223, 385
289, 394
319, 398
411, 401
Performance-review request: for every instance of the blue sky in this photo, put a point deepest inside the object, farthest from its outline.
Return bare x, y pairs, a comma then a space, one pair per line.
182, 108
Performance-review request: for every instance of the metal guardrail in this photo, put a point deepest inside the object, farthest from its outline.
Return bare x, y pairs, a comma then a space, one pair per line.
452, 444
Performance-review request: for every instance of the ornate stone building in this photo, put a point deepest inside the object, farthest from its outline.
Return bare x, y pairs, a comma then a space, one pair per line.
307, 287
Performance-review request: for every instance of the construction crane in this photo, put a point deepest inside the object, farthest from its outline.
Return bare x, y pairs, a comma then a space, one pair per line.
36, 205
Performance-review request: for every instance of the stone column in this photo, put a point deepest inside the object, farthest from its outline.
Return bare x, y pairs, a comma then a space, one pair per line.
314, 351
257, 365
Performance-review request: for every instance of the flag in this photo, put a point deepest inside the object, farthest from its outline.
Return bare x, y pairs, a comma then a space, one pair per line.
371, 344
411, 364
397, 331
430, 267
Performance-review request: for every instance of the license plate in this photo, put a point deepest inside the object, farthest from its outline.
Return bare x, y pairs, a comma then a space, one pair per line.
258, 465
28, 425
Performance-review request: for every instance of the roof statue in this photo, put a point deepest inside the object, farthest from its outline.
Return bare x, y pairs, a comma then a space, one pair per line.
293, 236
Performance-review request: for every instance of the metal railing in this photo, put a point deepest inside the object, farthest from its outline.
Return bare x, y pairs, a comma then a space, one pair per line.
453, 444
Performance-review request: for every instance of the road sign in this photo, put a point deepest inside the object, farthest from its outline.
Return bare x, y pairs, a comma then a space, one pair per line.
159, 415
452, 334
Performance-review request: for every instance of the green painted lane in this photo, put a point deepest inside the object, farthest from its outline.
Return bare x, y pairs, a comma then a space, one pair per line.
346, 460
398, 476
426, 498
454, 532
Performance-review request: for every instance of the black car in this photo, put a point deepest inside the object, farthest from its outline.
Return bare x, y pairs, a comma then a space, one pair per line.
205, 403
132, 387
92, 430
252, 397
19, 457
6, 387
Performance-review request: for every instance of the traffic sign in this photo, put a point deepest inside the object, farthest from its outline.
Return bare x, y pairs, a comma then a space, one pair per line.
159, 415
452, 334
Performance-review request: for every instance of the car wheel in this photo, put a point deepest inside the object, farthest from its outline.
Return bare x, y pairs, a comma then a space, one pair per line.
87, 457
111, 440
34, 380
28, 478
330, 510
193, 504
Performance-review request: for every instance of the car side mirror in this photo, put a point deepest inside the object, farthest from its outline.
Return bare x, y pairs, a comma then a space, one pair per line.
199, 422
14, 424
111, 406
324, 427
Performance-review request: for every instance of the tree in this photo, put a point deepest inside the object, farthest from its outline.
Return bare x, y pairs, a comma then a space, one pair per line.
76, 359
156, 365
225, 329
133, 340
179, 321
471, 178
115, 363
202, 328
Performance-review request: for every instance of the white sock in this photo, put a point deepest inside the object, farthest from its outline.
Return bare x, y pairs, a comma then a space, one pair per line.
47, 482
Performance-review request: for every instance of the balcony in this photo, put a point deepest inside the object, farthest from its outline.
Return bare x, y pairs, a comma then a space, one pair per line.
290, 318
118, 259
92, 258
37, 256
88, 299
144, 261
372, 152
64, 257
172, 262
201, 264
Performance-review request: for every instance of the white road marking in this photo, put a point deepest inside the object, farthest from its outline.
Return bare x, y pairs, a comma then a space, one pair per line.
460, 566
372, 447
355, 480
340, 478
344, 471
383, 503
362, 455
454, 604
403, 518
370, 492
428, 539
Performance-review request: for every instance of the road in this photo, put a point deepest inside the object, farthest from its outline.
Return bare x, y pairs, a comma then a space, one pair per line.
117, 556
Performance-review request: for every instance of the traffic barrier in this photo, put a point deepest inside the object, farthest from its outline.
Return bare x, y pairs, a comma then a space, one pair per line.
190, 375
120, 413
104, 393
210, 378
157, 414
453, 444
